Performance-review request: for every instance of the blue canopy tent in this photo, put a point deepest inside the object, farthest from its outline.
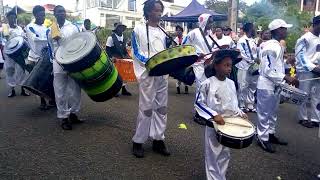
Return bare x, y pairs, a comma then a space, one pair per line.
192, 12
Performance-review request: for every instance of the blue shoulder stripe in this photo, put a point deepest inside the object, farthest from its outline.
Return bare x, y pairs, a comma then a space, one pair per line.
136, 50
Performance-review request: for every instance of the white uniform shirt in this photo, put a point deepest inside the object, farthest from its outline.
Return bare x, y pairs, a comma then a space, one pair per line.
195, 38
66, 30
307, 52
217, 98
271, 69
176, 39
246, 61
37, 39
13, 32
225, 40
157, 43
110, 40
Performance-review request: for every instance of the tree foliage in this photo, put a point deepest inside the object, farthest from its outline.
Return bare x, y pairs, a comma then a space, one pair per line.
263, 12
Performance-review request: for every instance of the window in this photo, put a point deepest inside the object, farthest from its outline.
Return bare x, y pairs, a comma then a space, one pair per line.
132, 5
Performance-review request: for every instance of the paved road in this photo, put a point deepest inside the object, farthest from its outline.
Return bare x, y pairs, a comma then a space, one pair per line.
33, 146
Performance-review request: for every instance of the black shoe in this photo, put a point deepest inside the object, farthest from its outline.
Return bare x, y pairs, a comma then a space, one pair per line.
158, 146
199, 120
186, 90
43, 107
52, 103
137, 150
309, 124
266, 145
66, 124
275, 140
125, 92
74, 119
12, 93
178, 90
24, 93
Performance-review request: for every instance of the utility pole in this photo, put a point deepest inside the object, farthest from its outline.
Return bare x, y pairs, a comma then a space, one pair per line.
233, 14
1, 10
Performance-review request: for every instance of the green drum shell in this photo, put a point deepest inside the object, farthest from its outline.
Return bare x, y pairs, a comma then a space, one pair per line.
100, 81
171, 60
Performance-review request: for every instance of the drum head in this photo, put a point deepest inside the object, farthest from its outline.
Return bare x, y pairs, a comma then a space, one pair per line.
13, 45
76, 47
236, 127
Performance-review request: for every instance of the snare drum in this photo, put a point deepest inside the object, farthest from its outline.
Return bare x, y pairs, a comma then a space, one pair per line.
89, 66
125, 69
171, 60
236, 133
292, 95
18, 50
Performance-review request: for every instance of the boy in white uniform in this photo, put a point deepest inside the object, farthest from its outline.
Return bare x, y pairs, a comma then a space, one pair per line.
147, 40
307, 66
14, 72
67, 91
37, 39
247, 82
272, 73
217, 99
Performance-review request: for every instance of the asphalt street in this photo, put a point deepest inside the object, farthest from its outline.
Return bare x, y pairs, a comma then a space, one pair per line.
33, 146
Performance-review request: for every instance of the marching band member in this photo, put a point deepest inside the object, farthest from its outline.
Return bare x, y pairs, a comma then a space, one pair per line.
247, 82
147, 40
178, 41
37, 39
67, 91
14, 72
222, 39
217, 98
307, 65
272, 73
199, 38
116, 48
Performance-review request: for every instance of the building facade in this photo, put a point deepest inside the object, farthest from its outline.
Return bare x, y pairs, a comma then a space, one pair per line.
105, 13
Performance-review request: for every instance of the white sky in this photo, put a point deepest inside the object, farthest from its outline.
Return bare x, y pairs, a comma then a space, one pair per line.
69, 4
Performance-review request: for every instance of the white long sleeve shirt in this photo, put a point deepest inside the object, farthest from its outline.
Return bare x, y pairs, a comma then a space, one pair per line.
37, 39
307, 52
217, 98
247, 60
272, 71
225, 40
157, 43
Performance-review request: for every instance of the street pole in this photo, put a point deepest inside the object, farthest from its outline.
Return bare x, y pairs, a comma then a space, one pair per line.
233, 14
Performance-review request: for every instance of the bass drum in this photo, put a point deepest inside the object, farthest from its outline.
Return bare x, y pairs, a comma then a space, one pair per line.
40, 80
18, 50
89, 66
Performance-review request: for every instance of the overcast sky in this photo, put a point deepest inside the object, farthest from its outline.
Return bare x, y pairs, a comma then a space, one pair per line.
69, 4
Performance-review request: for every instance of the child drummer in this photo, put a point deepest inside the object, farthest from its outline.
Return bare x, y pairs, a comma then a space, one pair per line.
217, 98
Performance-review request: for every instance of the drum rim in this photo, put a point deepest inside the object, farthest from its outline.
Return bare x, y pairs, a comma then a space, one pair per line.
61, 48
148, 63
21, 41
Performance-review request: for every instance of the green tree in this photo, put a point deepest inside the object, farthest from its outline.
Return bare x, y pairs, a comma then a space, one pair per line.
218, 6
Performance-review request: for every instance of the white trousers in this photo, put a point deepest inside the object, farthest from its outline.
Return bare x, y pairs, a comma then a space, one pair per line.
217, 156
267, 107
67, 92
313, 89
152, 115
247, 87
15, 75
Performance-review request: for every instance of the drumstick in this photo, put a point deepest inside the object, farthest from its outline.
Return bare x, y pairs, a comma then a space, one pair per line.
242, 125
309, 79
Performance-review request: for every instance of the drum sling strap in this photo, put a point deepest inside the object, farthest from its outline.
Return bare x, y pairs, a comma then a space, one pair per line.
148, 43
250, 52
205, 40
